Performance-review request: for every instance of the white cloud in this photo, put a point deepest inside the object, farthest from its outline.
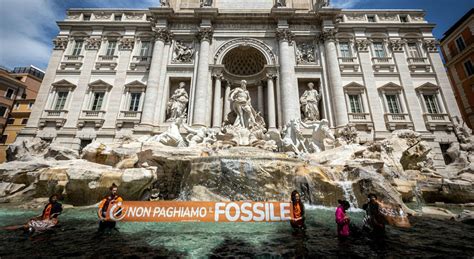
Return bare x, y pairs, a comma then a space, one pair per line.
27, 27
345, 3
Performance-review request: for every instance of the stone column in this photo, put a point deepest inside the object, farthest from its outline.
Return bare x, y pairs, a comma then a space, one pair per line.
60, 44
288, 86
335, 81
163, 88
374, 106
260, 100
116, 94
413, 106
226, 99
201, 92
217, 109
151, 95
271, 101
452, 108
92, 46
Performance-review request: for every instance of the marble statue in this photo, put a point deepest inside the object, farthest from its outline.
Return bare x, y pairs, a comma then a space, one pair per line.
201, 135
242, 107
206, 3
293, 139
183, 53
347, 135
321, 131
178, 103
172, 136
164, 3
309, 104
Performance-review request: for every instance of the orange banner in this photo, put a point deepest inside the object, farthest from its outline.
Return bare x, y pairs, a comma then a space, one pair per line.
196, 211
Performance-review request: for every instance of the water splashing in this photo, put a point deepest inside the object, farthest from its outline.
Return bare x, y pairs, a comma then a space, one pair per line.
346, 186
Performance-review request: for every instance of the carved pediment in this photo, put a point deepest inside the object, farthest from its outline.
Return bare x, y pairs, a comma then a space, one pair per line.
63, 84
390, 87
100, 85
427, 87
135, 85
354, 86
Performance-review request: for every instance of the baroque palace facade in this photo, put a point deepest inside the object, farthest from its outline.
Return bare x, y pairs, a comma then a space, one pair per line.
116, 72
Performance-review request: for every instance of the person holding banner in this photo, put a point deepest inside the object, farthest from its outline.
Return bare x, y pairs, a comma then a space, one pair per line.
297, 212
105, 224
342, 220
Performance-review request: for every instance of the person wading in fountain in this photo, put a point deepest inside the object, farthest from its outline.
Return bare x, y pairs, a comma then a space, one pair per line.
342, 220
374, 220
47, 219
105, 224
297, 217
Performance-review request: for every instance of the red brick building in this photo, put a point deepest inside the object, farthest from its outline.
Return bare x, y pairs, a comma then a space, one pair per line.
457, 47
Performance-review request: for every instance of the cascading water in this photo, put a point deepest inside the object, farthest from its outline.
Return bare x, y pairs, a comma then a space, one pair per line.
346, 186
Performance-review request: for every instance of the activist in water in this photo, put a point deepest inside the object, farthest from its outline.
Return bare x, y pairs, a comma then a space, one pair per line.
297, 217
105, 224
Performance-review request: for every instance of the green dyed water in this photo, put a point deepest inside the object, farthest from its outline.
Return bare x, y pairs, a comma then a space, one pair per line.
77, 237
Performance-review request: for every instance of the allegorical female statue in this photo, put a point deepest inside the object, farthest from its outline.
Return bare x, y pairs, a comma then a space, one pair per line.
178, 104
310, 103
240, 103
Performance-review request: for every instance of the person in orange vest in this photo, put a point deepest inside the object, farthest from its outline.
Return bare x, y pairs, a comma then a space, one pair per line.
105, 224
47, 219
297, 217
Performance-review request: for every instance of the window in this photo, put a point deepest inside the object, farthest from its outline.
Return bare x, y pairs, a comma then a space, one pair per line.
118, 17
87, 17
403, 18
413, 50
61, 101
345, 49
30, 105
145, 47
16, 106
460, 43
97, 101
111, 48
11, 120
371, 18
3, 111
379, 50
431, 103
77, 48
3, 139
393, 103
134, 102
24, 121
9, 93
469, 68
355, 103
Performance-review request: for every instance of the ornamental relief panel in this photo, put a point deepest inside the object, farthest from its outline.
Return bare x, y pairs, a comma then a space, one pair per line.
388, 17
355, 17
183, 52
305, 53
102, 16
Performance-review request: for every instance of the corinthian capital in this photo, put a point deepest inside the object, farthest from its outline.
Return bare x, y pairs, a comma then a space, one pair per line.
328, 34
163, 34
431, 45
284, 35
60, 43
205, 34
362, 44
126, 43
397, 45
93, 43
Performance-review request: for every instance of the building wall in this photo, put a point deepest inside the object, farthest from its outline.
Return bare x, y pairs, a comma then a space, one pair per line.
279, 35
463, 84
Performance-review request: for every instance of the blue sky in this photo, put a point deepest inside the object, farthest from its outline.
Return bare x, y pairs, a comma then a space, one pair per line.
28, 26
